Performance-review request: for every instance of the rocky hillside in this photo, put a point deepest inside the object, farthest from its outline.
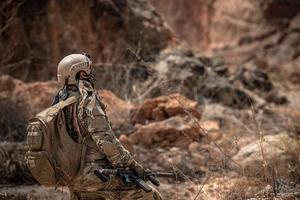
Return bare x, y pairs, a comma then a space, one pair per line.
209, 144
244, 32
212, 110
36, 35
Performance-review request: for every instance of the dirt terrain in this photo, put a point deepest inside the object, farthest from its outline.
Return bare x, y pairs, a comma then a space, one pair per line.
210, 91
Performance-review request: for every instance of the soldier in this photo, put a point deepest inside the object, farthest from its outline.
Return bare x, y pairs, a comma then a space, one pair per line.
87, 123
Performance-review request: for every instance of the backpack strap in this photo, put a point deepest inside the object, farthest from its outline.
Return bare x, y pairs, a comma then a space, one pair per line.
68, 101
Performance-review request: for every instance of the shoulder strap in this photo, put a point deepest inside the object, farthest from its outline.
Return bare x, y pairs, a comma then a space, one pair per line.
49, 113
66, 102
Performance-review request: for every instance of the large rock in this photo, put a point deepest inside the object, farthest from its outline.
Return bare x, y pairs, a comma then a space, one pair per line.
166, 121
164, 107
174, 131
36, 35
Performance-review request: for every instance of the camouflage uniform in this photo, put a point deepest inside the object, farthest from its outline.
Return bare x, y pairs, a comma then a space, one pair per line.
88, 124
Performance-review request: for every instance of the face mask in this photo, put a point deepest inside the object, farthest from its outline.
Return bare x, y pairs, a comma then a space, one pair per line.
92, 77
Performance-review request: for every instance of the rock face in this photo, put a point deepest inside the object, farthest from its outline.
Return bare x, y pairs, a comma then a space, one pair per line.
260, 32
105, 29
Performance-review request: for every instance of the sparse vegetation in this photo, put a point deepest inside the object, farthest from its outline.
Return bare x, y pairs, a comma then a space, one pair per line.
228, 121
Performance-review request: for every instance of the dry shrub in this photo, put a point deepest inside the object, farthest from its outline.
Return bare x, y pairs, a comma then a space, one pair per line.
292, 172
245, 188
284, 167
12, 121
13, 169
5, 196
131, 81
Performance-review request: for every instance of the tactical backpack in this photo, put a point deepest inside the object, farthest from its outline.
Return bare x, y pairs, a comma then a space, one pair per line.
53, 157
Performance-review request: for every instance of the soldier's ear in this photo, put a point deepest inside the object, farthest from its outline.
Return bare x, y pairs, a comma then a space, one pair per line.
81, 75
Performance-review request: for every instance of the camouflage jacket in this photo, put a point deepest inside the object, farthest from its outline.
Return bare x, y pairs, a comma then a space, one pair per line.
87, 121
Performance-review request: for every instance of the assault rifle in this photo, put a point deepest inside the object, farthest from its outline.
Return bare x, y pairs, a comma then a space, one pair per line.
130, 178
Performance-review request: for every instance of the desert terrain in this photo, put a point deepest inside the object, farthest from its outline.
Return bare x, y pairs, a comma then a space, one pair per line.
207, 88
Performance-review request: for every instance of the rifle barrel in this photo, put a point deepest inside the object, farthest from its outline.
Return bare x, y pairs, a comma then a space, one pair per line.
166, 174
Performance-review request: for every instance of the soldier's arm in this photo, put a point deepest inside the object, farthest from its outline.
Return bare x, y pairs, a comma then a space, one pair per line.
100, 130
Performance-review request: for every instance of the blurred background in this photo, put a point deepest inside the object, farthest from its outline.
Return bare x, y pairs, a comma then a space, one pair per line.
206, 87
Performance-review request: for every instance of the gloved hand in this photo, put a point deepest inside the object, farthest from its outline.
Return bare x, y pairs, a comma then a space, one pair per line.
144, 174
139, 169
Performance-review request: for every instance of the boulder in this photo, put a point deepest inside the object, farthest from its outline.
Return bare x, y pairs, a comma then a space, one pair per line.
175, 131
169, 121
166, 121
164, 107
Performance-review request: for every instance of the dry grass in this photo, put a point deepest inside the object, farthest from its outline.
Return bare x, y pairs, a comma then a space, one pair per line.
12, 121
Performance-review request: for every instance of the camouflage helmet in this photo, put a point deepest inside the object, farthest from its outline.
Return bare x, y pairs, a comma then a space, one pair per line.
70, 65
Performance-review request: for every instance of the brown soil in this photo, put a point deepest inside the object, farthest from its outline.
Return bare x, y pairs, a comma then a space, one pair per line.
225, 115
